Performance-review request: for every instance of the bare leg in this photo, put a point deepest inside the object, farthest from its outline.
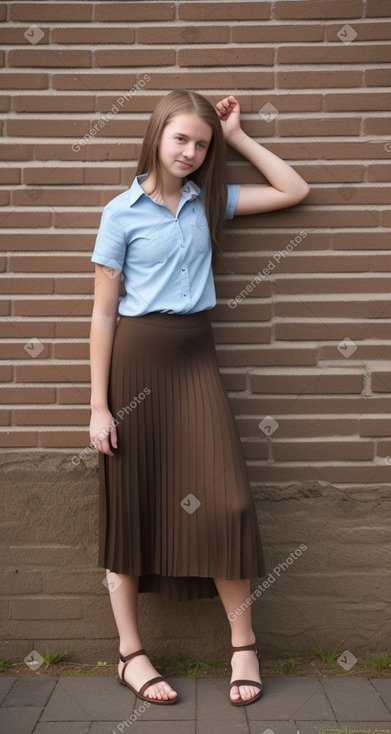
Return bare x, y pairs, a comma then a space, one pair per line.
244, 663
124, 602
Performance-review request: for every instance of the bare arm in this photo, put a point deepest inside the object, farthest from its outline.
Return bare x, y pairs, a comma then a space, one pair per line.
287, 186
103, 324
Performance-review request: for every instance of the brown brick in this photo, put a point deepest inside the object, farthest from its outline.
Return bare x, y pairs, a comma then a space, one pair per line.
307, 263
54, 103
16, 350
380, 381
360, 474
319, 79
75, 285
52, 373
243, 357
16, 37
5, 417
376, 126
48, 197
32, 127
233, 56
329, 380
14, 394
377, 77
234, 380
5, 103
246, 312
24, 329
380, 172
228, 11
18, 439
17, 80
77, 219
134, 11
336, 54
268, 33
134, 57
10, 175
37, 264
371, 31
186, 34
82, 81
66, 12
383, 449
52, 175
377, 9
91, 152
231, 333
359, 100
323, 284
74, 395
104, 175
12, 152
321, 309
37, 57
323, 9
317, 330
29, 220
227, 79
304, 127
51, 416
374, 427
323, 450
53, 307
76, 350
48, 241
92, 36
73, 329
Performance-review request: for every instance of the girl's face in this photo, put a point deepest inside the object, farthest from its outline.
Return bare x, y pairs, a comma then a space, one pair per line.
184, 144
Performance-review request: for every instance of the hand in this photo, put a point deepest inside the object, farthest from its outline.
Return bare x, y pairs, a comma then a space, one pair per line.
228, 111
103, 433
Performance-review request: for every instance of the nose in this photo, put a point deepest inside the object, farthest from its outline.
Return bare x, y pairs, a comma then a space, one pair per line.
190, 151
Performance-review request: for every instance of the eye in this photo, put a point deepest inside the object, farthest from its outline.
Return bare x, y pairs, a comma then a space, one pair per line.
179, 137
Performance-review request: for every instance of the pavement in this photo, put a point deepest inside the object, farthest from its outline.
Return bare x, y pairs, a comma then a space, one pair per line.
99, 705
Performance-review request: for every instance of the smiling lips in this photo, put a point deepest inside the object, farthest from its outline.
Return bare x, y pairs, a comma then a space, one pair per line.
183, 163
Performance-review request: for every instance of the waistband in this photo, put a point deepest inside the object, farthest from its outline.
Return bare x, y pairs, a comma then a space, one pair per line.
171, 320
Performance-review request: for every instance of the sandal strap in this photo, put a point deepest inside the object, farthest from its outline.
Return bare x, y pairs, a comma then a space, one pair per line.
127, 658
246, 683
150, 683
246, 647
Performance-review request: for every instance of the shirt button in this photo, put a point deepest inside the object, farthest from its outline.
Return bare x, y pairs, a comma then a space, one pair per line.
182, 246
183, 270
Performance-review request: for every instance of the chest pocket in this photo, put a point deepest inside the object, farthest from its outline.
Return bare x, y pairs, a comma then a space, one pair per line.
200, 232
155, 250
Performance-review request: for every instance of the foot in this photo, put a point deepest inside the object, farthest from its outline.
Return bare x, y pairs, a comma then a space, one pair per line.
245, 665
138, 671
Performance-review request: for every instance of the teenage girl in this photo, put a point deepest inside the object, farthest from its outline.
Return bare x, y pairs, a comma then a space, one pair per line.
176, 515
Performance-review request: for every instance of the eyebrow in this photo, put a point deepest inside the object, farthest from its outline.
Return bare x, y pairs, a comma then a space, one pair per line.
186, 136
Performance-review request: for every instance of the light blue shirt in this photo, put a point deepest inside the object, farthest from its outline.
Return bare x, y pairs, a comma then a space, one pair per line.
166, 259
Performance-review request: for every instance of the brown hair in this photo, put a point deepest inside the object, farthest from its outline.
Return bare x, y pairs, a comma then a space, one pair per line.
211, 175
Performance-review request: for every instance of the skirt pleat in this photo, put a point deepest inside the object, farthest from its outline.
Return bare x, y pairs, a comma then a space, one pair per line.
175, 505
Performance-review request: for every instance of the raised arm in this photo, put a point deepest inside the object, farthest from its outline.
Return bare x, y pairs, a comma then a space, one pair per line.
286, 186
103, 433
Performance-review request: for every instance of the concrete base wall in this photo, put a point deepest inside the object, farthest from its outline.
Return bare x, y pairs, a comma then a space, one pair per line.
327, 549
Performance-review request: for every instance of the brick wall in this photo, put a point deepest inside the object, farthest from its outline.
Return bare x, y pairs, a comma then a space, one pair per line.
304, 347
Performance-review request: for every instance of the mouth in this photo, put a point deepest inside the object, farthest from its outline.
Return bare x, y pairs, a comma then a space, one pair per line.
183, 163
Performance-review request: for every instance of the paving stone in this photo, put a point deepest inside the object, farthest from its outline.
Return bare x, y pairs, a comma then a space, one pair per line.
313, 727
213, 702
19, 719
148, 727
31, 692
6, 684
224, 727
292, 698
89, 699
354, 699
67, 727
383, 686
270, 727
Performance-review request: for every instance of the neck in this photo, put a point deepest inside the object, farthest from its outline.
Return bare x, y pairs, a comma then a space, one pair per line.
171, 185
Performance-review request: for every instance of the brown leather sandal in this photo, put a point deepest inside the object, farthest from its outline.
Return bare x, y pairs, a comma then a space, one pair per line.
247, 682
140, 694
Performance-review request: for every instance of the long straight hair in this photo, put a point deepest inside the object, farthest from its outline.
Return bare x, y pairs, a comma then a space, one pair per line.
211, 175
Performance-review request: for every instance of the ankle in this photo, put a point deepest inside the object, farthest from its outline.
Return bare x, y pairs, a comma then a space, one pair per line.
243, 640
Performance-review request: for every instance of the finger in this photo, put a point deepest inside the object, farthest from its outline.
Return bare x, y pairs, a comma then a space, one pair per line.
114, 438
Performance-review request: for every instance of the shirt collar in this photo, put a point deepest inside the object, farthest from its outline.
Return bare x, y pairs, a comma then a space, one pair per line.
136, 190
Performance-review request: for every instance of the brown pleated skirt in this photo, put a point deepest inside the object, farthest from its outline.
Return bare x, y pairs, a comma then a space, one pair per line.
175, 505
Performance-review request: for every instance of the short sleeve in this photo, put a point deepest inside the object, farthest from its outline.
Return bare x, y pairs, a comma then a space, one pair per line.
110, 243
232, 200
